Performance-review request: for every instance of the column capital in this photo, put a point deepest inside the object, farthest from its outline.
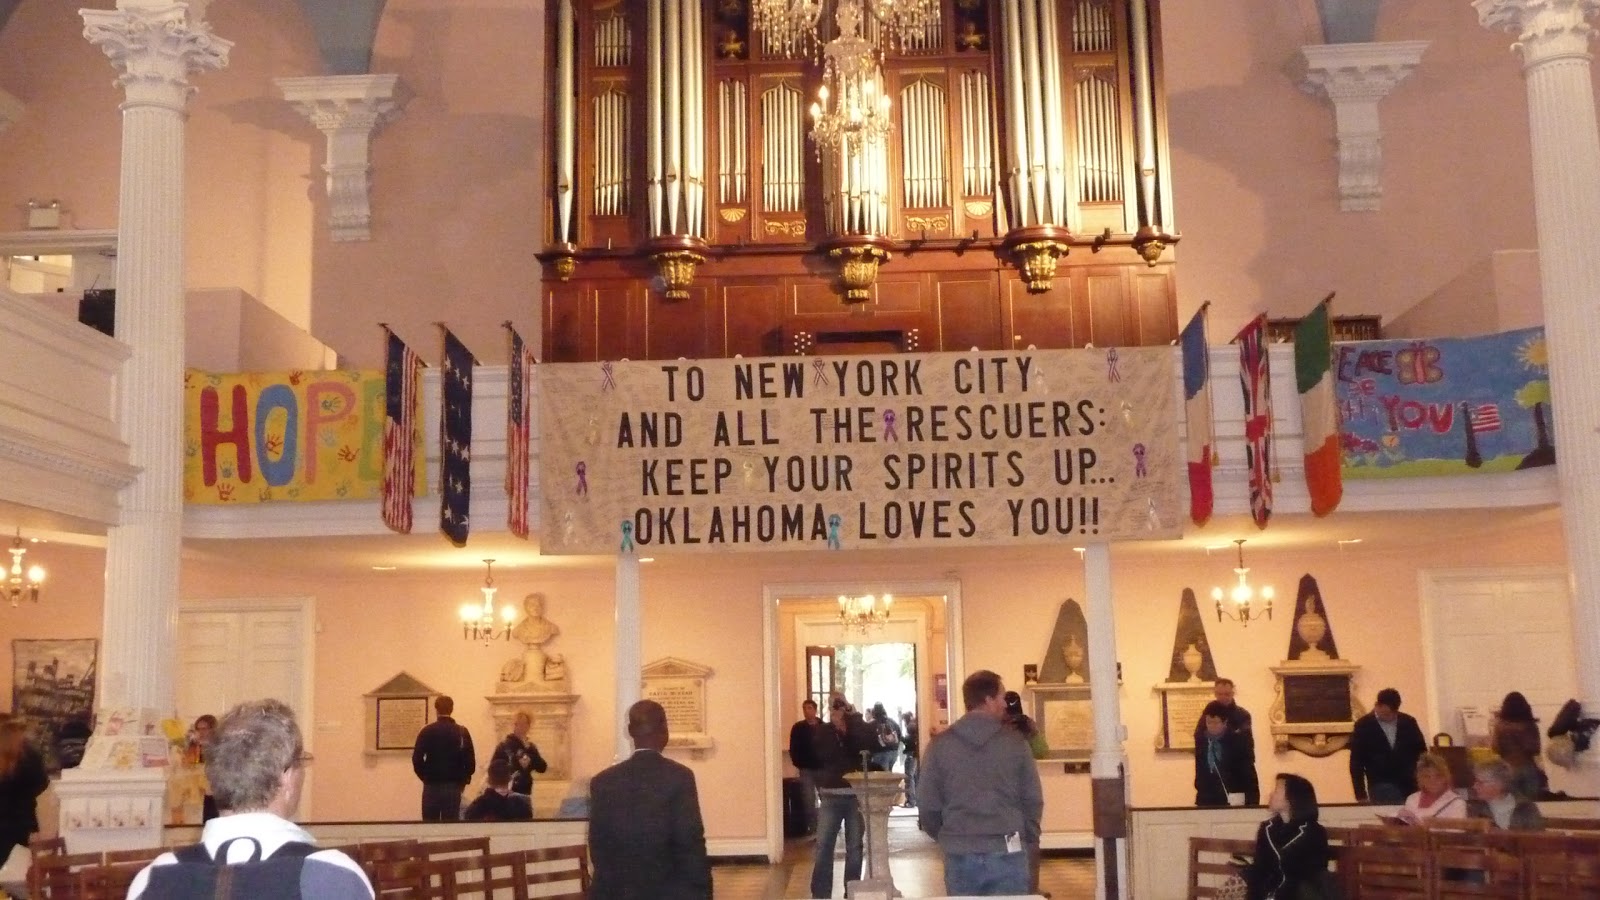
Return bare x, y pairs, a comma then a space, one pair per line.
1355, 77
349, 110
1359, 72
155, 47
1545, 29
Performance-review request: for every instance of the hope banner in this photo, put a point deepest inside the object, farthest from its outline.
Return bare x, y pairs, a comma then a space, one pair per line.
909, 450
270, 436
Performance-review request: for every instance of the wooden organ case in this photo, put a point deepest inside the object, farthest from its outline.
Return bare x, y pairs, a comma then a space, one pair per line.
1020, 197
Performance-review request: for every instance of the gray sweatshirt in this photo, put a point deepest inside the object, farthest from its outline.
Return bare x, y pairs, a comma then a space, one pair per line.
979, 783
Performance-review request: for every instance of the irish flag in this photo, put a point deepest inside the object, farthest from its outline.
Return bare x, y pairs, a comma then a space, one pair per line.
1313, 376
1198, 416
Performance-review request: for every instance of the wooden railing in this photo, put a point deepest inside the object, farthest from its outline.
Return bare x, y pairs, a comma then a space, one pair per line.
1455, 859
453, 869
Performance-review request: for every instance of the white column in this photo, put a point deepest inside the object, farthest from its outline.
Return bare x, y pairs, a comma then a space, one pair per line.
154, 46
1355, 77
1107, 785
349, 110
629, 667
1553, 38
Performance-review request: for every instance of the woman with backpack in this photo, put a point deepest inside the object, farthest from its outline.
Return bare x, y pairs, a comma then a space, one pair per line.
889, 736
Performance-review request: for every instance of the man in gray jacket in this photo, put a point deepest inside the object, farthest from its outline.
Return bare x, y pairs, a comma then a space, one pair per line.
980, 796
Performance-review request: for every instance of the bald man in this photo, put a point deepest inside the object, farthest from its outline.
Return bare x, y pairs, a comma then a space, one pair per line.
646, 839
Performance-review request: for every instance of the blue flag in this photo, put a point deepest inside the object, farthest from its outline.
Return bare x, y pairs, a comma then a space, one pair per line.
455, 440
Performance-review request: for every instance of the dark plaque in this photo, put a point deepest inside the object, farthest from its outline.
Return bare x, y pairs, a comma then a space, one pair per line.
1316, 698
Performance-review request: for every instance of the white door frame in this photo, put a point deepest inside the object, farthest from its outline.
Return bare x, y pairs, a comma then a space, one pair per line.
1433, 590
772, 595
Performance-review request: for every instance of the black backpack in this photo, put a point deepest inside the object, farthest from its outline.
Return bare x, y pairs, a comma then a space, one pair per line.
198, 876
887, 737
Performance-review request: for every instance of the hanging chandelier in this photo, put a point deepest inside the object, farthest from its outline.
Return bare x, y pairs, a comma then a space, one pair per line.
21, 583
790, 26
854, 111
1240, 602
480, 622
864, 612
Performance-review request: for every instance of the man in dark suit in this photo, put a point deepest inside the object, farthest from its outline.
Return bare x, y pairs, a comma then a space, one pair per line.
646, 838
1384, 748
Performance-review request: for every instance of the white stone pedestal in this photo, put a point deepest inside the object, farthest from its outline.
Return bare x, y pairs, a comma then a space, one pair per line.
115, 810
550, 731
877, 793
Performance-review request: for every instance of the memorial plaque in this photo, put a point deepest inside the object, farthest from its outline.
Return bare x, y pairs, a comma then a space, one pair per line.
1316, 698
680, 687
1065, 715
399, 720
1181, 706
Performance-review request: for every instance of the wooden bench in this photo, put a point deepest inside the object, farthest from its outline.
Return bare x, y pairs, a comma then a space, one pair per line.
1211, 863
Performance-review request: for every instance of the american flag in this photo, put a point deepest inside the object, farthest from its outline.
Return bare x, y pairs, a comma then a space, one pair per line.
1255, 378
400, 383
455, 440
1485, 417
517, 415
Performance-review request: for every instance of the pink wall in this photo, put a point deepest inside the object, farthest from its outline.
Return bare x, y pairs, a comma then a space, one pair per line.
373, 626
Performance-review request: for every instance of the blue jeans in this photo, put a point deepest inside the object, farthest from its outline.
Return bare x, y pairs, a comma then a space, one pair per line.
837, 807
911, 781
985, 874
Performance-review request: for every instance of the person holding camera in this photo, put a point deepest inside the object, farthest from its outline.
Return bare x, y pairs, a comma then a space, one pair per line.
838, 747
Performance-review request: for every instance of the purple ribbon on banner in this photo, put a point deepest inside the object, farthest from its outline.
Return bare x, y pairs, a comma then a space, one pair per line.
608, 377
888, 426
583, 478
1111, 365
820, 371
1139, 468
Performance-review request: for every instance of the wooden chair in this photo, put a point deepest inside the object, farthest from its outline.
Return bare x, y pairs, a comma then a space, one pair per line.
1578, 825
466, 846
1561, 867
370, 854
400, 879
1462, 870
54, 875
1473, 826
1387, 871
551, 866
142, 856
502, 876
1210, 863
106, 882
454, 877
43, 846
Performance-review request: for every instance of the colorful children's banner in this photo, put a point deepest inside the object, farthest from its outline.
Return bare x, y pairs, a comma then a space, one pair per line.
1444, 407
928, 450
301, 435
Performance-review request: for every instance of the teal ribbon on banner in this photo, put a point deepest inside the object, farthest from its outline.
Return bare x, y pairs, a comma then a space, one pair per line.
627, 538
834, 521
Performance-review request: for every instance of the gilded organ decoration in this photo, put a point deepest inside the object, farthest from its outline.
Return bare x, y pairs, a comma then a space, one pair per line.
720, 153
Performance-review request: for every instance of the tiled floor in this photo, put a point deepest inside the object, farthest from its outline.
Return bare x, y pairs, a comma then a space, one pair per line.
913, 860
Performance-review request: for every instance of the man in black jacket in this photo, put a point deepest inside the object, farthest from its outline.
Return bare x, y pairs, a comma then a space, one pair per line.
444, 759
840, 743
1384, 748
498, 802
1224, 763
803, 756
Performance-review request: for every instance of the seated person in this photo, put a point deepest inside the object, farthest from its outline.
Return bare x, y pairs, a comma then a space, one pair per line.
1291, 858
1434, 799
497, 803
1496, 802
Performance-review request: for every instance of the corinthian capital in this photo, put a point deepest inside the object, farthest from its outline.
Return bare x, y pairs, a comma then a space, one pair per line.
155, 48
1545, 29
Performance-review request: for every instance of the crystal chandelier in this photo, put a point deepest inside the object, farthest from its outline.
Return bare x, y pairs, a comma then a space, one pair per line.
1242, 595
854, 112
19, 582
864, 612
790, 26
479, 622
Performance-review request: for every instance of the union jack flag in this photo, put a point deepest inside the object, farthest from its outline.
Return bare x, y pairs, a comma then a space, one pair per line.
517, 421
1255, 379
401, 376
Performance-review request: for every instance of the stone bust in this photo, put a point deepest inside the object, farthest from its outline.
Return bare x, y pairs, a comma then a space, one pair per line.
535, 670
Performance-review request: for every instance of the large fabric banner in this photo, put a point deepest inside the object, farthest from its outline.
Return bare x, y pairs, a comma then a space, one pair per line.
1447, 406
925, 450
265, 436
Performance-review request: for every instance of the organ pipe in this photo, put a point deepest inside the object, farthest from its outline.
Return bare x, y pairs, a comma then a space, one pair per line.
1055, 133
1018, 162
654, 173
1144, 111
566, 124
673, 41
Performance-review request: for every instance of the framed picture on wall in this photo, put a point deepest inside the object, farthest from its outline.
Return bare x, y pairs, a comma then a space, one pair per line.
52, 686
